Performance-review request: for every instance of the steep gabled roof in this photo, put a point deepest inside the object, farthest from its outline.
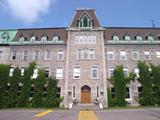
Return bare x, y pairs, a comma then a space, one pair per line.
81, 12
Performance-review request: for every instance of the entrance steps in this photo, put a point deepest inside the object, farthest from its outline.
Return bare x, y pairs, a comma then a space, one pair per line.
85, 107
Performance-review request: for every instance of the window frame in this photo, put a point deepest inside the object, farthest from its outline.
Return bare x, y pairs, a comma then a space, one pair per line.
76, 75
92, 72
59, 75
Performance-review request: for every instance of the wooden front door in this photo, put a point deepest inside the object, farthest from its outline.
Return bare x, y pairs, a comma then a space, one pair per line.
85, 94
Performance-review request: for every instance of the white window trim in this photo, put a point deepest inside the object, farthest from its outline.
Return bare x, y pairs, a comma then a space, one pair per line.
109, 71
129, 99
126, 69
147, 52
24, 54
46, 53
11, 71
94, 67
135, 51
35, 55
121, 54
60, 52
57, 77
158, 54
35, 73
49, 69
14, 51
110, 52
74, 72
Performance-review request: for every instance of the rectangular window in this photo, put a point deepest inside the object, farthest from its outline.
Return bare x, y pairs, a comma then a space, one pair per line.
113, 92
91, 54
97, 91
35, 74
22, 71
158, 54
76, 72
135, 55
136, 71
48, 55
11, 72
59, 73
146, 55
36, 56
74, 92
94, 73
85, 54
125, 70
127, 92
111, 71
47, 72
123, 55
60, 55
13, 56
58, 92
140, 89
79, 55
1, 55
25, 54
110, 55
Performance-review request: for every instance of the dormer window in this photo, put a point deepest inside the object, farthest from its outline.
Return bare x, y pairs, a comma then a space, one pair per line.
139, 38
115, 38
127, 38
22, 39
44, 38
4, 37
85, 22
150, 38
55, 38
33, 38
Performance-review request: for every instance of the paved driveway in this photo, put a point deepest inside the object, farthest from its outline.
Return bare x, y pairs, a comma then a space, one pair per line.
131, 114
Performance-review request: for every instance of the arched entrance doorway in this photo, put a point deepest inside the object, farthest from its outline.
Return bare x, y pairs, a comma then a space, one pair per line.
85, 94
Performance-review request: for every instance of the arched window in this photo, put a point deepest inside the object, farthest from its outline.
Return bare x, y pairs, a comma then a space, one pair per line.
115, 38
150, 38
139, 38
127, 38
85, 22
56, 38
33, 38
4, 37
22, 39
44, 38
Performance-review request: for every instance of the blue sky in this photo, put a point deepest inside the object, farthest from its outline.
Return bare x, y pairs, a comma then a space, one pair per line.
59, 13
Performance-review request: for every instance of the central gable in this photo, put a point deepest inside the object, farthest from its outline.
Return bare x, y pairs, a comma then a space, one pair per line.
88, 17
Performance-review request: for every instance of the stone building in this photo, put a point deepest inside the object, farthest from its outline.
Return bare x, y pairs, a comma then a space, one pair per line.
82, 56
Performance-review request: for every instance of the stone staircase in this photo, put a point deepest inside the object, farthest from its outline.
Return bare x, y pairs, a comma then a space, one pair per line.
85, 107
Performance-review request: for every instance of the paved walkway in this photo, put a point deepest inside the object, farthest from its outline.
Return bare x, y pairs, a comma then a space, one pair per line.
129, 114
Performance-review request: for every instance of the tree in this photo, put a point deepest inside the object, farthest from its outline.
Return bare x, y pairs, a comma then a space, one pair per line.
155, 73
119, 81
4, 77
38, 98
13, 92
27, 82
51, 99
145, 80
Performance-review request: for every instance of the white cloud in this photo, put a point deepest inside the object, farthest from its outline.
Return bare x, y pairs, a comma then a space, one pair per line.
28, 11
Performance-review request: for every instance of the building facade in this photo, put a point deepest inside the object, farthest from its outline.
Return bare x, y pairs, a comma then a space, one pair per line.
82, 56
